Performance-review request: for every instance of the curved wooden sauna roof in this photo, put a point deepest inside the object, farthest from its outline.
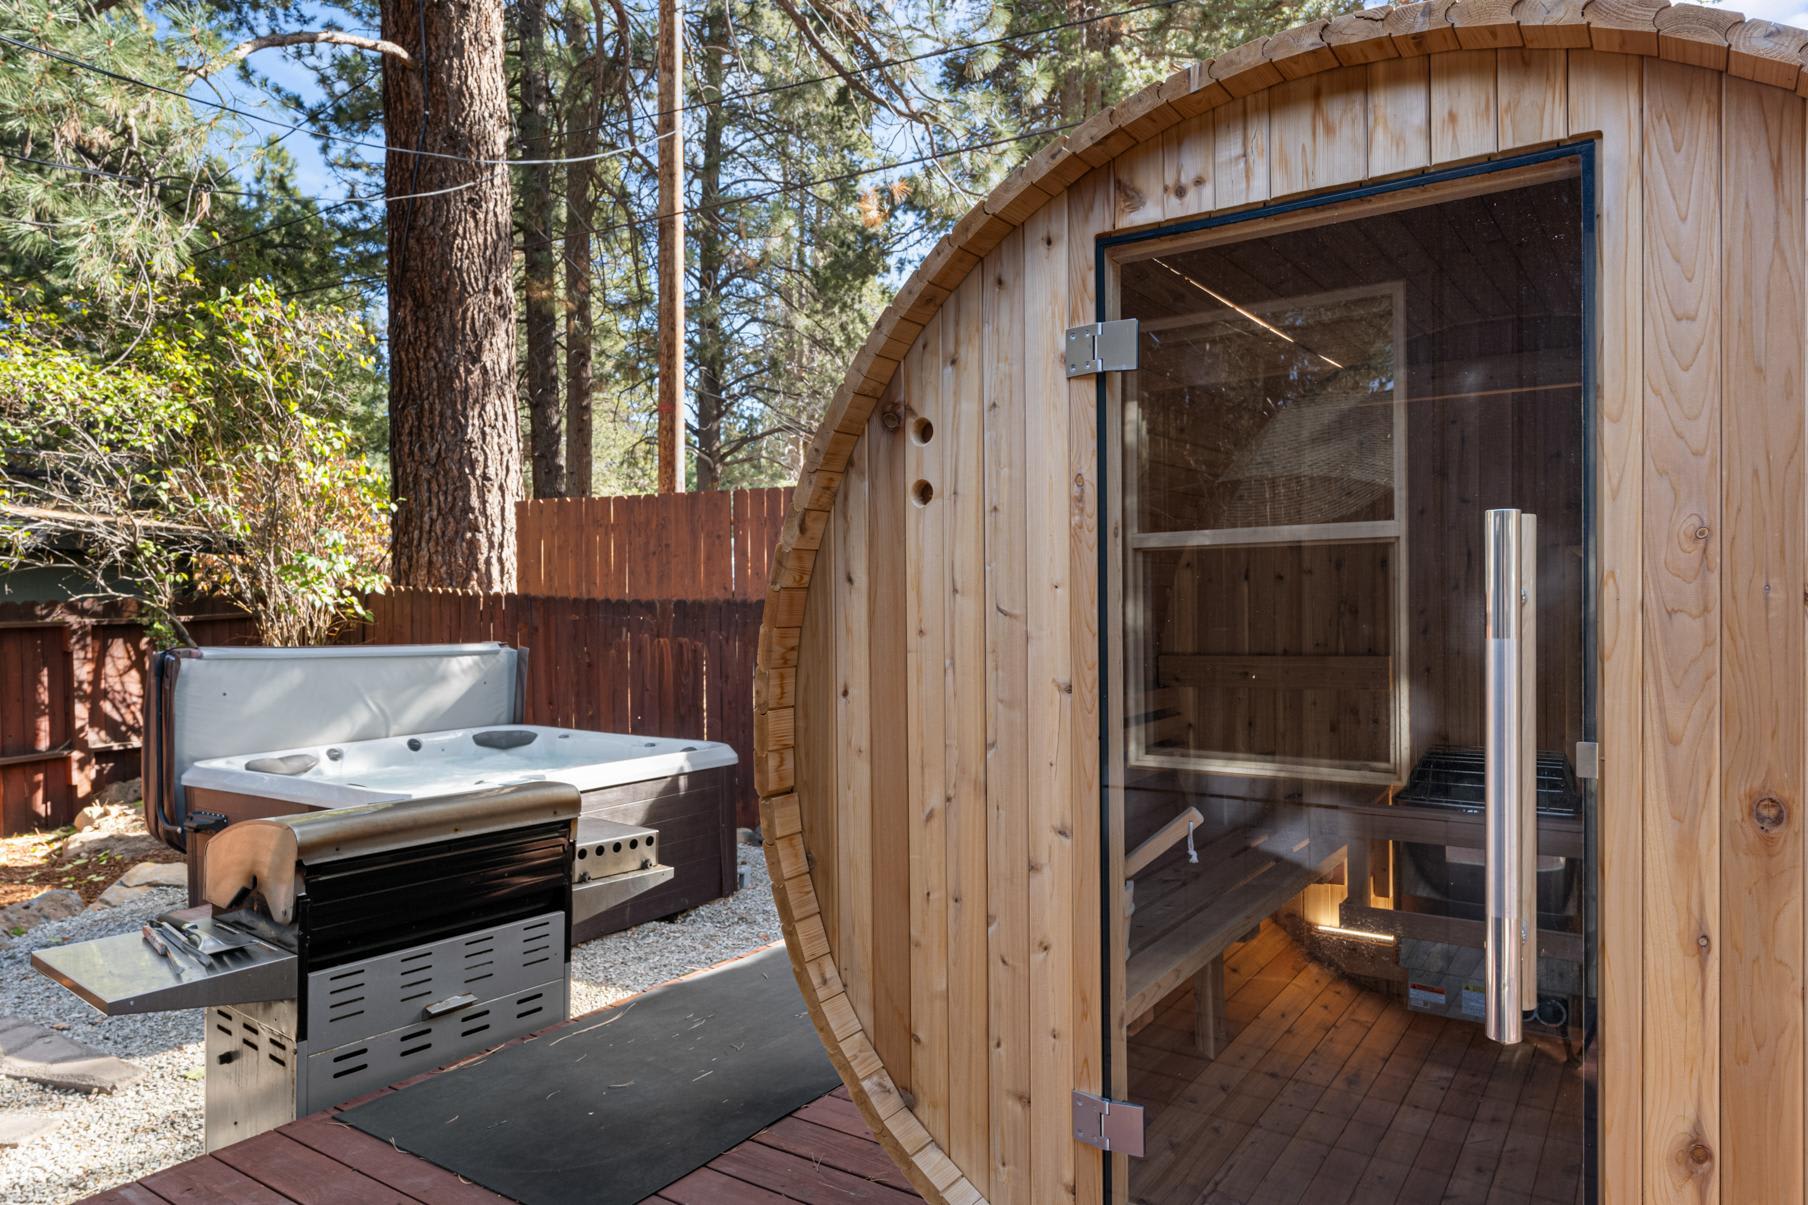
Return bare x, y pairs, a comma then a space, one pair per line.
1709, 38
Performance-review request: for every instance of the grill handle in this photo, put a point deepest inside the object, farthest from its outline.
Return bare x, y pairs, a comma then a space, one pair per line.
1511, 601
450, 1004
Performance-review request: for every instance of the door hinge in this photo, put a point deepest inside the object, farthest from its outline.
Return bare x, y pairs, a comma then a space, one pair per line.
1110, 1125
1588, 759
1101, 347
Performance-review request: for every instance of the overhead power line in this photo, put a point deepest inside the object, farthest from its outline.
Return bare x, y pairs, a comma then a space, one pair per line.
141, 181
165, 182
768, 194
750, 94
885, 64
294, 127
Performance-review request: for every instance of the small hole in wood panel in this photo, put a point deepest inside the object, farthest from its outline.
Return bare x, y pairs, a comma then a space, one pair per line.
921, 493
922, 431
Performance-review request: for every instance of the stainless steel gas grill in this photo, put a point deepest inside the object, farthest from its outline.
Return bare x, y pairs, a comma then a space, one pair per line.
339, 951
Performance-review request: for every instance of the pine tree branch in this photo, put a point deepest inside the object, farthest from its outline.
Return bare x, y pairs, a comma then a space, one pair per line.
333, 37
849, 75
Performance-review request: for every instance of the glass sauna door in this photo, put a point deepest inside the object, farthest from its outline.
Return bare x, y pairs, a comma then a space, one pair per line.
1349, 700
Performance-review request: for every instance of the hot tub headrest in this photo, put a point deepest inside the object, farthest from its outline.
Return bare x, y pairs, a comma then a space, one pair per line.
217, 702
263, 856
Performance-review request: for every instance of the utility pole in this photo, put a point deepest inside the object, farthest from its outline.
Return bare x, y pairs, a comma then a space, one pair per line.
670, 66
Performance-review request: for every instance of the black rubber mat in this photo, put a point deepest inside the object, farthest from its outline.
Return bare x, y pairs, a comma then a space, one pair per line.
614, 1106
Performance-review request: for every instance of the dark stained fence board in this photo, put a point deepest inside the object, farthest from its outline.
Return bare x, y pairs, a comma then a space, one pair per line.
72, 702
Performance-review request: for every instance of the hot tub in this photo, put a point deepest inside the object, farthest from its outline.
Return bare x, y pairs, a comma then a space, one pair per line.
681, 788
444, 763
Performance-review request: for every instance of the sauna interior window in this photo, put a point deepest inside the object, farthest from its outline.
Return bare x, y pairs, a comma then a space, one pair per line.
1267, 439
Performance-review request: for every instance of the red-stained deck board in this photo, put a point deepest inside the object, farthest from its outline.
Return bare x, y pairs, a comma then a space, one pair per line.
209, 1182
381, 1161
304, 1175
802, 1179
857, 1156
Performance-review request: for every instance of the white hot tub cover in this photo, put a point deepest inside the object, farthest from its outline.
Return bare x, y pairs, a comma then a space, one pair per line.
215, 702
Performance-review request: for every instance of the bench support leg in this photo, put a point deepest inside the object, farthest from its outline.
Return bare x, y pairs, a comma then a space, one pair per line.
1209, 1033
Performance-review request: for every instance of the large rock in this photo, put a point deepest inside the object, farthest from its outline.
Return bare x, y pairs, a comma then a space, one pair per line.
26, 915
114, 817
31, 1052
20, 1126
140, 881
127, 847
119, 893
122, 794
156, 874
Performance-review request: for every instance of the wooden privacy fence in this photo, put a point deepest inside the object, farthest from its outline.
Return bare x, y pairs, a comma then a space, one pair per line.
72, 702
678, 667
714, 545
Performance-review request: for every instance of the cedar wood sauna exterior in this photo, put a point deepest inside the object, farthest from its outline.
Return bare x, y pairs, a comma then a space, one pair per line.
1402, 280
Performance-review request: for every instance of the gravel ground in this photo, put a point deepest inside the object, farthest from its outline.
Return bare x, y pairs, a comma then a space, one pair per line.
103, 1140
623, 964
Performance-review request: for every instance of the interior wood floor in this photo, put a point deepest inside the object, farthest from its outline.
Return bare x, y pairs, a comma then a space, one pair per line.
1333, 1094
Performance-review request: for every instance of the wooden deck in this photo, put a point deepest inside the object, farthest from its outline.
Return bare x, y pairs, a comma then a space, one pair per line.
1334, 1095
822, 1153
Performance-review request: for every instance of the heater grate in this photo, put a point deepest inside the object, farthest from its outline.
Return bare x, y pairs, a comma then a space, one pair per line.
1452, 777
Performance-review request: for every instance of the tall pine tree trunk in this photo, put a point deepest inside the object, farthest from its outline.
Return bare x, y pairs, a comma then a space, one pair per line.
709, 347
454, 440
544, 420
583, 110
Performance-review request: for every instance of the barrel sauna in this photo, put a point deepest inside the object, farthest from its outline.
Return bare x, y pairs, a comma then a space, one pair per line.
1286, 660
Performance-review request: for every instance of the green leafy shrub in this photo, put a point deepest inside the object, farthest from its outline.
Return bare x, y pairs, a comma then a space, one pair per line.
212, 452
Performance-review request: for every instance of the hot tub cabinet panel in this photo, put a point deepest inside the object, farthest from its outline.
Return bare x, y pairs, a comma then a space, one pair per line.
1548, 262
694, 814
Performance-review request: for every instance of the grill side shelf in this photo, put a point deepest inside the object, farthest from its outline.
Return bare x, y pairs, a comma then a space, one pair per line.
121, 974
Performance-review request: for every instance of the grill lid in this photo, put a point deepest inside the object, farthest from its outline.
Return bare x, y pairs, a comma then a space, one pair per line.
264, 857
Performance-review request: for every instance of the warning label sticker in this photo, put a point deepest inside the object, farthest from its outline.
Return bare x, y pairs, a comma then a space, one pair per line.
1426, 996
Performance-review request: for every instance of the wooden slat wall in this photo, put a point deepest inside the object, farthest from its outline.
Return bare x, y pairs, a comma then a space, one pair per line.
1605, 95
1764, 676
1007, 686
1682, 631
707, 545
1702, 670
962, 676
